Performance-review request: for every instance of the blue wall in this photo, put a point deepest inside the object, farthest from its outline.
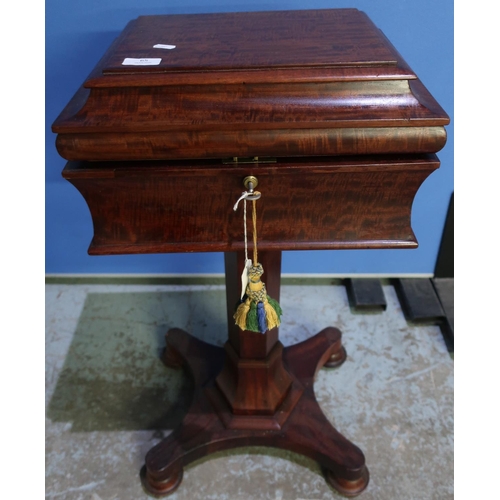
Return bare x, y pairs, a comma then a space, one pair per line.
77, 35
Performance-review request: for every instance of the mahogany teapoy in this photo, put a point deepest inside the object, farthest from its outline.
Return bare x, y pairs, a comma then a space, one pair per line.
340, 133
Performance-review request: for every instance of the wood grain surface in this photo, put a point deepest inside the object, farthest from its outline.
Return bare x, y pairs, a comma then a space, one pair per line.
311, 203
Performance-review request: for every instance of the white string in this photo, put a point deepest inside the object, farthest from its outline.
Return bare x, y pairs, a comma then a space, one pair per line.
245, 229
244, 198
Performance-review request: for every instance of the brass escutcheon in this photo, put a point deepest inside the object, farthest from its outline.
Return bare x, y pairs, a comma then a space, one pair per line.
250, 182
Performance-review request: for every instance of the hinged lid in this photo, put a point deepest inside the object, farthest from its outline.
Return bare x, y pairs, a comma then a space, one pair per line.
281, 83
251, 41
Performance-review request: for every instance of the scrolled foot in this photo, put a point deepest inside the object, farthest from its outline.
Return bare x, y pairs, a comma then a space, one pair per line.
348, 487
159, 489
336, 359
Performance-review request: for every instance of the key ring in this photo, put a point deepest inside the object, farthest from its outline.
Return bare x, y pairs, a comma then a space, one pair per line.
255, 195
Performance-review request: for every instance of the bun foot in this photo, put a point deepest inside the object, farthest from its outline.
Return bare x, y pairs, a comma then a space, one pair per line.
171, 359
159, 489
348, 487
336, 359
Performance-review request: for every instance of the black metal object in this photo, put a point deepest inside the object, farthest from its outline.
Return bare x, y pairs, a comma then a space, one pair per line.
445, 290
365, 294
445, 265
425, 300
419, 300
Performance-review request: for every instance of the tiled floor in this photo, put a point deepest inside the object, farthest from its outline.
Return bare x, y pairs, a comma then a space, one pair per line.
109, 398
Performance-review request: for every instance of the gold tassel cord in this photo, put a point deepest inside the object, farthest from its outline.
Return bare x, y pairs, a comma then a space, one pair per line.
254, 220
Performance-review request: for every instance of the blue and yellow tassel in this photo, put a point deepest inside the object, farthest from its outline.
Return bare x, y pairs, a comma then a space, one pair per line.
256, 312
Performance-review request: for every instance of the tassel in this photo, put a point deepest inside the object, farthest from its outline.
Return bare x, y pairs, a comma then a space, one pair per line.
240, 316
261, 316
257, 312
274, 304
272, 317
252, 320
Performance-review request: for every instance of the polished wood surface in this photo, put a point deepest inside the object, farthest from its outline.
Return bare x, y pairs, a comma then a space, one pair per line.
291, 83
220, 144
252, 40
307, 204
332, 105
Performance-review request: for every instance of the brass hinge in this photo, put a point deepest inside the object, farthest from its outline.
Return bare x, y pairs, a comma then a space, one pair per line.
239, 160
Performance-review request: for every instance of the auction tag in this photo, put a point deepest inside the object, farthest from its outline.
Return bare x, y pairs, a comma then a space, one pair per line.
147, 61
244, 277
163, 46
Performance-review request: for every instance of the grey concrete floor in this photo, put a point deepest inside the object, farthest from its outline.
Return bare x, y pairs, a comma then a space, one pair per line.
109, 398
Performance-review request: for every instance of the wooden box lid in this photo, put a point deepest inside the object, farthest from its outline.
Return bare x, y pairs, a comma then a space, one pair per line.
283, 83
243, 42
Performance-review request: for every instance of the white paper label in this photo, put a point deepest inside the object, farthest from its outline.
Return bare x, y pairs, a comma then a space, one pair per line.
163, 46
149, 61
244, 277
